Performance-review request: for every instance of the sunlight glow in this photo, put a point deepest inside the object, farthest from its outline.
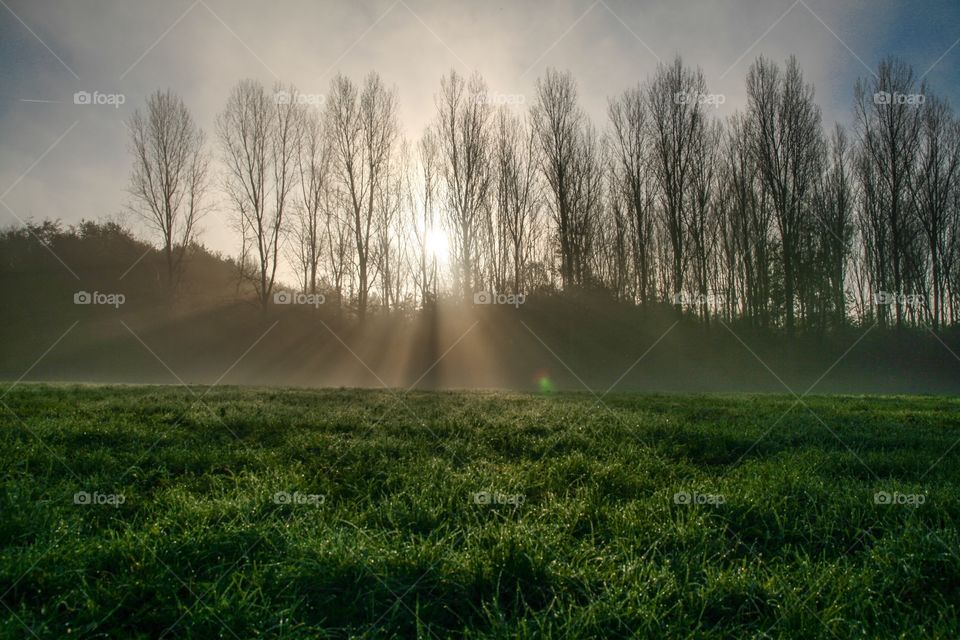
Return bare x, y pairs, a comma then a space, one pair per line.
438, 245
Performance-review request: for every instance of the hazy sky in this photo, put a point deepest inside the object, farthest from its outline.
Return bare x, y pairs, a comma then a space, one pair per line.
68, 161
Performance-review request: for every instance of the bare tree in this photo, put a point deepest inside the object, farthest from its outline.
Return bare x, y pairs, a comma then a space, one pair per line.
169, 179
424, 222
363, 129
339, 245
933, 188
400, 280
463, 114
612, 264
951, 260
570, 156
702, 220
310, 220
630, 138
676, 98
749, 217
836, 215
587, 200
516, 155
787, 143
888, 118
390, 240
260, 135
872, 230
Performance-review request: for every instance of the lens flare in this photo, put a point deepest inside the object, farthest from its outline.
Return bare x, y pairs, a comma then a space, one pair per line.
543, 381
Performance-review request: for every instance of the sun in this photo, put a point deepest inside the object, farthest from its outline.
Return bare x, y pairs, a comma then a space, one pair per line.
438, 245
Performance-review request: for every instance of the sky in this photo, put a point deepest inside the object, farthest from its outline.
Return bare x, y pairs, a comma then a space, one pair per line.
70, 161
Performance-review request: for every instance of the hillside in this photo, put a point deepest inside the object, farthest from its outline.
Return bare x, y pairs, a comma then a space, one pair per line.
213, 331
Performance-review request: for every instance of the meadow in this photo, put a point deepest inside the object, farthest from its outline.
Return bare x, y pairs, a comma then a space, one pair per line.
231, 512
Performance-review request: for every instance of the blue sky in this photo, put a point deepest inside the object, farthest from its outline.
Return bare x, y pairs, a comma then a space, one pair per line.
201, 48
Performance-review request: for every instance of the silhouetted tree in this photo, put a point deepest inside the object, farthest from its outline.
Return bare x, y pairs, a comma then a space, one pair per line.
363, 129
261, 135
463, 135
888, 118
676, 104
786, 140
169, 179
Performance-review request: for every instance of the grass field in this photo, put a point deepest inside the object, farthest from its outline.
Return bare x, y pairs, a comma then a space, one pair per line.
228, 512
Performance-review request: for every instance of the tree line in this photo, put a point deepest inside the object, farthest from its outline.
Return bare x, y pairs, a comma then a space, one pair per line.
765, 217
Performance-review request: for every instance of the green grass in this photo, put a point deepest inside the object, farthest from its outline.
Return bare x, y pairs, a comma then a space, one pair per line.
795, 545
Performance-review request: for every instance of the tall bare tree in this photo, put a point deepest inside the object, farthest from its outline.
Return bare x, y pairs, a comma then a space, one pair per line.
630, 137
463, 115
311, 212
749, 217
678, 120
933, 189
260, 136
391, 232
787, 144
425, 221
587, 201
363, 128
836, 215
517, 161
169, 179
339, 246
702, 218
888, 119
570, 158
